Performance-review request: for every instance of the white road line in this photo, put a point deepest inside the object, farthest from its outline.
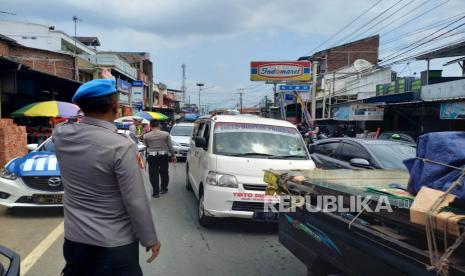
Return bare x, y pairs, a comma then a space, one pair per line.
41, 248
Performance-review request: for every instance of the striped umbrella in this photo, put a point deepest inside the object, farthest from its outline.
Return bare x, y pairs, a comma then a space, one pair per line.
152, 115
47, 109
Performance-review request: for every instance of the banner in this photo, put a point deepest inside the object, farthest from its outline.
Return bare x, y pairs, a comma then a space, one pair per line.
452, 111
357, 112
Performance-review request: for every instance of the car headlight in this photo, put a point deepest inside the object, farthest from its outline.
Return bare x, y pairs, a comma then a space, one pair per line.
4, 173
175, 143
222, 180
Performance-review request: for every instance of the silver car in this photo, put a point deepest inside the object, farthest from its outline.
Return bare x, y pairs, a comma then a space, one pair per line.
181, 134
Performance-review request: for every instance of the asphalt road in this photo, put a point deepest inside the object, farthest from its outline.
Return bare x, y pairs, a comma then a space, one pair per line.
231, 247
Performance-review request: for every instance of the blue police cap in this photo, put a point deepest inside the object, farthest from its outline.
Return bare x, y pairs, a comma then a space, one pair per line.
95, 88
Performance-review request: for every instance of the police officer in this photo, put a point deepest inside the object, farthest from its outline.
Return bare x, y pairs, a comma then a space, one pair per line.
106, 202
160, 150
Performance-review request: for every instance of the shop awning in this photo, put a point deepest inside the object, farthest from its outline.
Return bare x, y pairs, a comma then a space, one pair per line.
393, 98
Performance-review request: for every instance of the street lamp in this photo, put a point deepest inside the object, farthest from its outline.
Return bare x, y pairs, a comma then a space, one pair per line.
200, 85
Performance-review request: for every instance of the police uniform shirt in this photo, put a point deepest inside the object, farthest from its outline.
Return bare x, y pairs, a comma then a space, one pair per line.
105, 200
159, 142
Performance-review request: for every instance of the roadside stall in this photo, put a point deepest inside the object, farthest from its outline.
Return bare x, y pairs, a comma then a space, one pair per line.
40, 118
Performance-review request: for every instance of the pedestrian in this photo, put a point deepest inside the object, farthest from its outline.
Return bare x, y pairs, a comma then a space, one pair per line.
106, 204
160, 151
137, 127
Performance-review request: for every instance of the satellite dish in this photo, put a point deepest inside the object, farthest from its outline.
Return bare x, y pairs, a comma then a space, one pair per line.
361, 64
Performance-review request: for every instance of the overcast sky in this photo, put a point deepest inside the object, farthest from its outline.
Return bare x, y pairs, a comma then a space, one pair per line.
217, 39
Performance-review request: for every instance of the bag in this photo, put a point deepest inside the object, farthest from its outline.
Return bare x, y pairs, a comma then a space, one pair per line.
443, 147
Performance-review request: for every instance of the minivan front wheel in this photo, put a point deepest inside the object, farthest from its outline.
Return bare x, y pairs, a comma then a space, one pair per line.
204, 220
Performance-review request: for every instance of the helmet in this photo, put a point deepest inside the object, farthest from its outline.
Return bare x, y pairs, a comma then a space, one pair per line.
395, 136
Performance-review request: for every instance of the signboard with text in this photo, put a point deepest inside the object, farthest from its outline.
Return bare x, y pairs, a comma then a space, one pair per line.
280, 70
299, 88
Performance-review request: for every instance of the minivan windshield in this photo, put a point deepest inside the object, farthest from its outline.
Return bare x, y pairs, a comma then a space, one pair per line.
182, 130
258, 141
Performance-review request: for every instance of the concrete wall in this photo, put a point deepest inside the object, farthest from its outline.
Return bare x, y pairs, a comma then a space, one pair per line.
444, 90
362, 85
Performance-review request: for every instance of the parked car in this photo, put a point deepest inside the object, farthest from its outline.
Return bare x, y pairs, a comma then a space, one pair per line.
180, 136
9, 262
352, 153
397, 136
33, 180
226, 159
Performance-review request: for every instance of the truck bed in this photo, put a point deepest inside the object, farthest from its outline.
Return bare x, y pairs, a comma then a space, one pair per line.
383, 243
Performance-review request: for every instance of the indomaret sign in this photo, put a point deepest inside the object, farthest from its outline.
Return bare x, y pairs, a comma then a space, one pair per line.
280, 70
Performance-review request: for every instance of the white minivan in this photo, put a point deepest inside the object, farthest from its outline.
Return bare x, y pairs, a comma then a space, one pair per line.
227, 157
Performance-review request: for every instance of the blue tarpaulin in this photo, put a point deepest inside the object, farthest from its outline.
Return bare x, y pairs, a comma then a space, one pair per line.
443, 147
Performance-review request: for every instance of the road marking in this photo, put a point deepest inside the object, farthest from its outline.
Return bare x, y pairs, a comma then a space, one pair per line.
41, 248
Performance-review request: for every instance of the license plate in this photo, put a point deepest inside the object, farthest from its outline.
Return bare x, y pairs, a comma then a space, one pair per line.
48, 199
266, 216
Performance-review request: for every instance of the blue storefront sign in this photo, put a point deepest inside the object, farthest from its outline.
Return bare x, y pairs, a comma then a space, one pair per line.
137, 83
289, 97
123, 86
300, 88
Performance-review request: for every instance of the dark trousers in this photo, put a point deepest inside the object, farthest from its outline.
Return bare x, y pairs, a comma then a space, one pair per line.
90, 260
158, 168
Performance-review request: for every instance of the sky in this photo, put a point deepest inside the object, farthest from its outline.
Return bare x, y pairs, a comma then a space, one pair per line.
217, 39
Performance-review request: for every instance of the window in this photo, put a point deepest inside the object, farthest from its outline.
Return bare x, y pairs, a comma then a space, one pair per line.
350, 151
206, 134
48, 146
198, 129
328, 149
391, 156
182, 131
258, 141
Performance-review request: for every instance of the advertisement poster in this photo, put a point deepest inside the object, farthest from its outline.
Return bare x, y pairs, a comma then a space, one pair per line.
452, 111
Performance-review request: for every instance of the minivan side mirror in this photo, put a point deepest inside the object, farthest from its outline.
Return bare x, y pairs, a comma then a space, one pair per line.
311, 148
360, 163
200, 142
32, 147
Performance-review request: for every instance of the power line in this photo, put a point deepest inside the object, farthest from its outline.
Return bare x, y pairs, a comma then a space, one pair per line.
396, 49
415, 44
424, 29
367, 23
403, 25
382, 20
408, 13
345, 27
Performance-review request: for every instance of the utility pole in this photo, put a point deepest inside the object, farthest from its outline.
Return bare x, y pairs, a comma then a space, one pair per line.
200, 85
314, 74
76, 70
241, 91
183, 88
266, 108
